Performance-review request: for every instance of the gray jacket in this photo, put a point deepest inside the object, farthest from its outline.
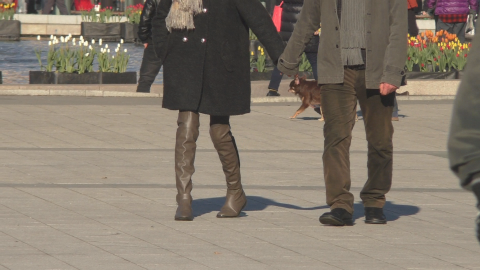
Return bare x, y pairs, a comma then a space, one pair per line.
464, 139
386, 52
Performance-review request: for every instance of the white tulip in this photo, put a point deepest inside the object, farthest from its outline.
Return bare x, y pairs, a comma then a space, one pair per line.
62, 39
106, 46
118, 45
113, 56
49, 43
69, 34
38, 37
87, 54
85, 43
51, 36
100, 42
73, 40
80, 43
93, 41
125, 50
73, 43
116, 50
108, 50
90, 47
102, 50
121, 40
81, 37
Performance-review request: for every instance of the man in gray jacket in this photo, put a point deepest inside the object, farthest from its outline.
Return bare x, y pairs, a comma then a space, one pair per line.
464, 140
361, 55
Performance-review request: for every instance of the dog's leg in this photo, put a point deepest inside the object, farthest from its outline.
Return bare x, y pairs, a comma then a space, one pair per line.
321, 112
299, 111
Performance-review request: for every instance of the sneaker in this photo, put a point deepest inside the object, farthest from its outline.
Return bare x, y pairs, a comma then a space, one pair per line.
272, 93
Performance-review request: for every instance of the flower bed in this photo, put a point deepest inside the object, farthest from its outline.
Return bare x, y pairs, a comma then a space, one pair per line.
103, 24
440, 52
129, 30
74, 63
9, 28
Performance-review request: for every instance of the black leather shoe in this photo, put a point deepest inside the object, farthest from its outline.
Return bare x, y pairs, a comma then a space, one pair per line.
374, 215
273, 93
337, 217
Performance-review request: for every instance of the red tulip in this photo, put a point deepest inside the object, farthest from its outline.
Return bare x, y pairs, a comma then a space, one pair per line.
465, 55
423, 65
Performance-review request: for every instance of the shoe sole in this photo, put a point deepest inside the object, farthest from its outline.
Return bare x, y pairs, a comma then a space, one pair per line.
328, 220
239, 212
183, 219
375, 221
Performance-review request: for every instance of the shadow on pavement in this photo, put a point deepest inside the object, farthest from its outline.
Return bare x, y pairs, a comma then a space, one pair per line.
255, 203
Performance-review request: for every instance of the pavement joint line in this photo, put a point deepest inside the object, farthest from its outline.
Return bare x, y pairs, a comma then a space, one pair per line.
173, 186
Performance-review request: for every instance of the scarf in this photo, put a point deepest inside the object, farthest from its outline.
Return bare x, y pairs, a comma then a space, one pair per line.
352, 31
181, 14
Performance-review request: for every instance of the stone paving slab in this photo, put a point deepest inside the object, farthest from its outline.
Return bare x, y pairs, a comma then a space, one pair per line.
88, 183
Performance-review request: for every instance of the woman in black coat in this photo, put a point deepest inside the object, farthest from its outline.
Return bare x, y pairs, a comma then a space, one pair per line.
204, 46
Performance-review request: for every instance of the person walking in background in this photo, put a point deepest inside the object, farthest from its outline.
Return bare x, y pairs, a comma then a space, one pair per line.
47, 8
354, 33
452, 15
290, 13
204, 47
412, 18
464, 138
150, 63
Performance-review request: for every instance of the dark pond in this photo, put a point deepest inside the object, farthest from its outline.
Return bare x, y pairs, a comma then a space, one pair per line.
17, 58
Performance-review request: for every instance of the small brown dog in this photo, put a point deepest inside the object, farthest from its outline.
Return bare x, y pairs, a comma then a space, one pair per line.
309, 92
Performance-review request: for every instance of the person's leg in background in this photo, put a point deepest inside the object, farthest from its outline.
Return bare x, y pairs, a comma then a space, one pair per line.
62, 7
395, 109
148, 70
47, 6
459, 30
274, 83
412, 23
312, 58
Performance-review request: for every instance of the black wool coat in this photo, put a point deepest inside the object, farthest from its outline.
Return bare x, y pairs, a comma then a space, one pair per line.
208, 69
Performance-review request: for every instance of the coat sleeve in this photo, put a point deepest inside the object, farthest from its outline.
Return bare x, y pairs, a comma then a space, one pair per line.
159, 28
308, 23
145, 25
464, 137
261, 24
396, 52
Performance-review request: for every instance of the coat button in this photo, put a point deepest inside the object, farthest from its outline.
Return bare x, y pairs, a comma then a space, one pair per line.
185, 39
204, 10
203, 40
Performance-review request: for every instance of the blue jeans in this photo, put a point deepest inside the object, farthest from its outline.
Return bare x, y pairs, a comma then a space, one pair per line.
277, 75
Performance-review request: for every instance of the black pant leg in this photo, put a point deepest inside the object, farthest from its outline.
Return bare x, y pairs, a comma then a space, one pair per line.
148, 70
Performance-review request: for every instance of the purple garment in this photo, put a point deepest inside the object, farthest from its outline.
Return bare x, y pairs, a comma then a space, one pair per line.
445, 7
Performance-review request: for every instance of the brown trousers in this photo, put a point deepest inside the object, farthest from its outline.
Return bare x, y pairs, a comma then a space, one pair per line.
339, 103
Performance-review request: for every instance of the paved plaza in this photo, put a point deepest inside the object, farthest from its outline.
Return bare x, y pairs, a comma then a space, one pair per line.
88, 183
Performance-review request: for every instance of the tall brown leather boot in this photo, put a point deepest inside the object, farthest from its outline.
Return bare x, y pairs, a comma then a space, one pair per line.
185, 146
227, 151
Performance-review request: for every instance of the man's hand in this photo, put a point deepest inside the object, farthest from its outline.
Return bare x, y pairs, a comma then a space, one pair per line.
386, 88
145, 45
